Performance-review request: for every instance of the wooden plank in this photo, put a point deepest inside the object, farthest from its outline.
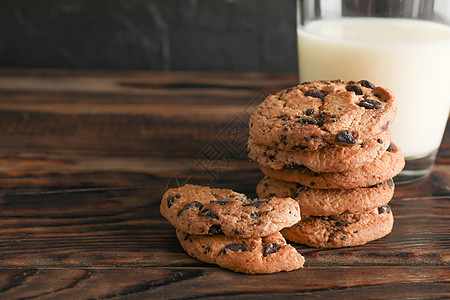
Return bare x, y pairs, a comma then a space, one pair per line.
213, 283
108, 227
142, 82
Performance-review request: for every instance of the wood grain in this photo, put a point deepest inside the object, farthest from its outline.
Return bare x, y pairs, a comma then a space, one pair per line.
214, 283
122, 227
86, 156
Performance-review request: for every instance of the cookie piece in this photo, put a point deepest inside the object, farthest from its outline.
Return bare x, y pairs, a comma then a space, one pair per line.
328, 202
253, 256
327, 159
201, 210
379, 170
320, 113
342, 230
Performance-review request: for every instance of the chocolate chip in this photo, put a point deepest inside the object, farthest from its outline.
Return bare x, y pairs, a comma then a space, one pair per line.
221, 202
390, 183
295, 195
310, 111
271, 248
283, 139
315, 93
215, 229
370, 104
169, 201
299, 226
380, 141
255, 215
321, 120
194, 204
299, 147
211, 215
312, 183
303, 188
287, 91
233, 248
385, 126
284, 118
255, 204
308, 120
345, 137
177, 196
390, 148
343, 238
367, 84
333, 116
315, 174
355, 88
272, 157
308, 138
207, 250
385, 209
341, 223
299, 168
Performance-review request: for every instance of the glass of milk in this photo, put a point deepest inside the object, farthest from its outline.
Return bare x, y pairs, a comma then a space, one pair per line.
402, 45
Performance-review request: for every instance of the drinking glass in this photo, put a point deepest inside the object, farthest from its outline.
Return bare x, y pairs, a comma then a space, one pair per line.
402, 45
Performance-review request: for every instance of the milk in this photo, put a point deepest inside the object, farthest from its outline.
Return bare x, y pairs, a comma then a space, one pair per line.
409, 57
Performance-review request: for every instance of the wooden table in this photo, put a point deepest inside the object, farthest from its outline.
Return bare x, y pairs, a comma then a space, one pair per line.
86, 156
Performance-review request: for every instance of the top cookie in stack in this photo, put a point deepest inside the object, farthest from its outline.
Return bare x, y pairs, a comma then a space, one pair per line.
323, 113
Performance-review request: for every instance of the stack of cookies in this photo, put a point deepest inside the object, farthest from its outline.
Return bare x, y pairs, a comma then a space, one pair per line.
226, 228
327, 145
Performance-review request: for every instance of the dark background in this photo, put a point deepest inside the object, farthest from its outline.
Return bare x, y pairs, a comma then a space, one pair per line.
211, 35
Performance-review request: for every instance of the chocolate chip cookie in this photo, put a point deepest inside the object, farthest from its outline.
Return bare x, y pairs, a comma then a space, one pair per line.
342, 230
318, 202
322, 113
264, 255
201, 210
379, 170
327, 159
